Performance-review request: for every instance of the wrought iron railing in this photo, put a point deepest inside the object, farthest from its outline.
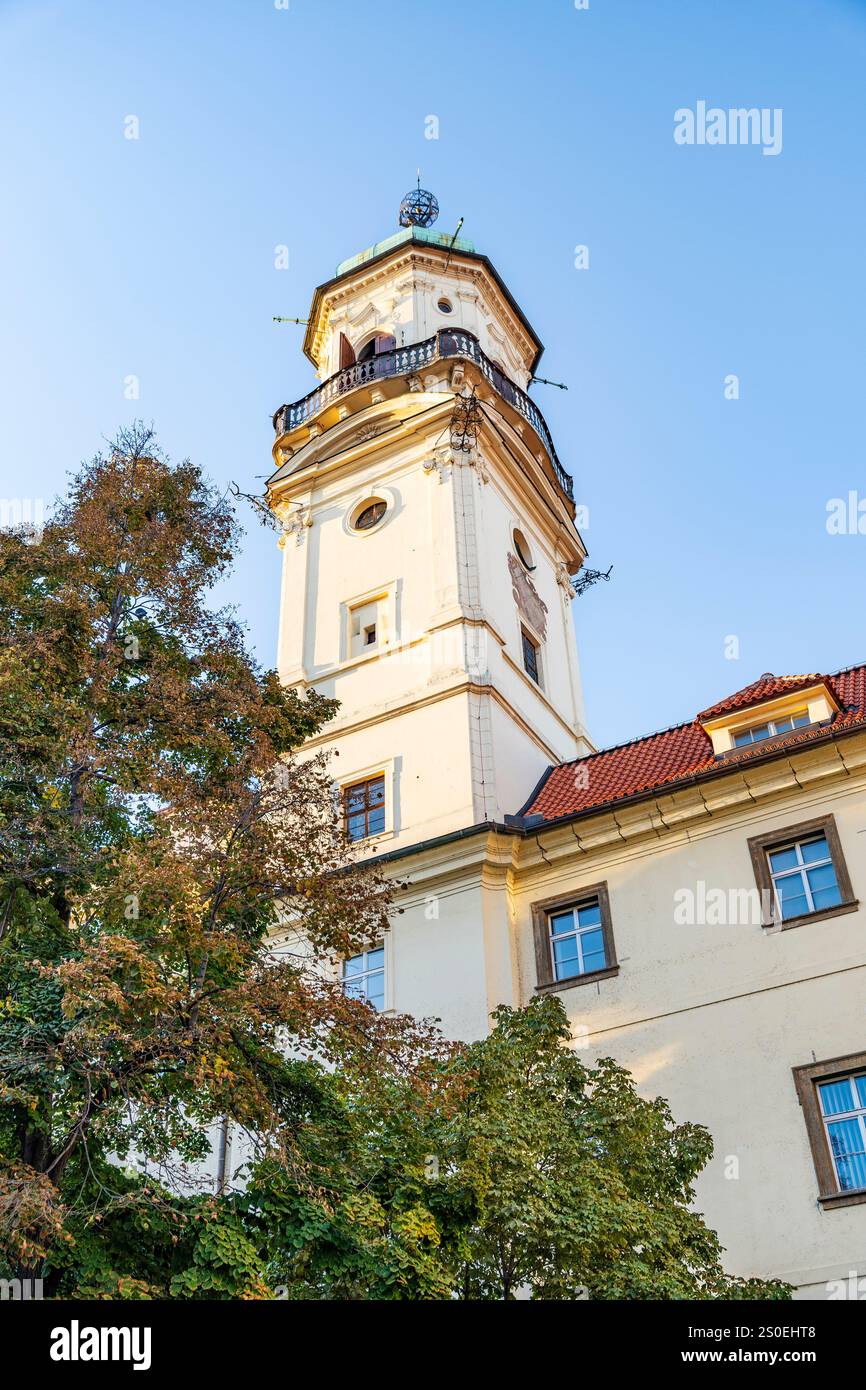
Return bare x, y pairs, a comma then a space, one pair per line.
404, 361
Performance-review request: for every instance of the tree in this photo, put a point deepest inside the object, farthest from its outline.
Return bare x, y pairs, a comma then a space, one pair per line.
172, 877
155, 828
581, 1184
519, 1169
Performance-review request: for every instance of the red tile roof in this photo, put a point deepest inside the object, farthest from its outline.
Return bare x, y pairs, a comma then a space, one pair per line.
766, 687
663, 759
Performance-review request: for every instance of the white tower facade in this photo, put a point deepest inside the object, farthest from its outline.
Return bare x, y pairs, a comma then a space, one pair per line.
428, 539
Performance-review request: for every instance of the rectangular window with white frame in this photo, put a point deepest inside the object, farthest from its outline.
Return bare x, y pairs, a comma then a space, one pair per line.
804, 879
363, 976
756, 733
574, 938
802, 873
833, 1097
843, 1109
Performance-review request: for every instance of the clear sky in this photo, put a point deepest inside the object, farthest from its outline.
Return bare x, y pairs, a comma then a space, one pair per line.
261, 126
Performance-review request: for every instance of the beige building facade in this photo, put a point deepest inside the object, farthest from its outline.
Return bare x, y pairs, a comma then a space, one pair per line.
693, 897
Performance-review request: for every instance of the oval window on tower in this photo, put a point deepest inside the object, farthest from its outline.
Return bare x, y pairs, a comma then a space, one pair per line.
369, 514
524, 553
444, 306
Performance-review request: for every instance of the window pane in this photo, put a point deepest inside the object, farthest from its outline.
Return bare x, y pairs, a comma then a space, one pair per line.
836, 1097
860, 1083
567, 970
376, 958
593, 961
741, 739
800, 720
783, 859
762, 732
589, 916
824, 876
357, 827
790, 886
530, 657
825, 890
783, 726
826, 897
814, 850
376, 990
592, 941
377, 791
796, 906
562, 922
377, 820
565, 949
355, 989
355, 798
846, 1143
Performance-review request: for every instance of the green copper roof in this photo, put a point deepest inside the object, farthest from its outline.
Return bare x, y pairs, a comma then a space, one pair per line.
422, 234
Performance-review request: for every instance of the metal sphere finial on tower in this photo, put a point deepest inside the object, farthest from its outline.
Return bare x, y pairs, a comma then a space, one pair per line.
419, 208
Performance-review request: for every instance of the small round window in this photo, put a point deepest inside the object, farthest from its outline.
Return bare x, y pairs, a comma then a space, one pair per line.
524, 554
369, 515
444, 306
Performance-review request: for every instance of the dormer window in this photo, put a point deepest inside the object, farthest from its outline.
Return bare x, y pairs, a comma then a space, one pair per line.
770, 707
756, 733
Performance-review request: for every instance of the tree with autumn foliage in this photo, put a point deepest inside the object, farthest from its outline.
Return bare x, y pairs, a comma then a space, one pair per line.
156, 827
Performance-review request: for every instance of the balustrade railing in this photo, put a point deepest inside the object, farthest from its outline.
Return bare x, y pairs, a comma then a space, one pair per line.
405, 361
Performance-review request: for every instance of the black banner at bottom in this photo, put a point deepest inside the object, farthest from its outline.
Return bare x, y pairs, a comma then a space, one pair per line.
86, 1340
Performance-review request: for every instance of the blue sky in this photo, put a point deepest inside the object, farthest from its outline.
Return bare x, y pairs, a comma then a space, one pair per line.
260, 127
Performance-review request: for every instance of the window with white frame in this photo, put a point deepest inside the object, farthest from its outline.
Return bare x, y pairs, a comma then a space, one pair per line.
833, 1097
756, 733
843, 1110
803, 876
573, 937
364, 977
577, 940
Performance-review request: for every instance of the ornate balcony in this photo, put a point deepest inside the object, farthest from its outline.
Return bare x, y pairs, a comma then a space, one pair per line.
406, 361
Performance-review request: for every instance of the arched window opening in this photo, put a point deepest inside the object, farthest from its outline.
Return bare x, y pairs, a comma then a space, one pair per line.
381, 342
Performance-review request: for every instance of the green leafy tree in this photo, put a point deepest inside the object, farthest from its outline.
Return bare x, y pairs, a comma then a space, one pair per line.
515, 1170
581, 1184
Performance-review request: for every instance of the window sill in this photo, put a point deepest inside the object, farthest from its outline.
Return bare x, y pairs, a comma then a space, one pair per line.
371, 841
575, 980
830, 1200
812, 916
